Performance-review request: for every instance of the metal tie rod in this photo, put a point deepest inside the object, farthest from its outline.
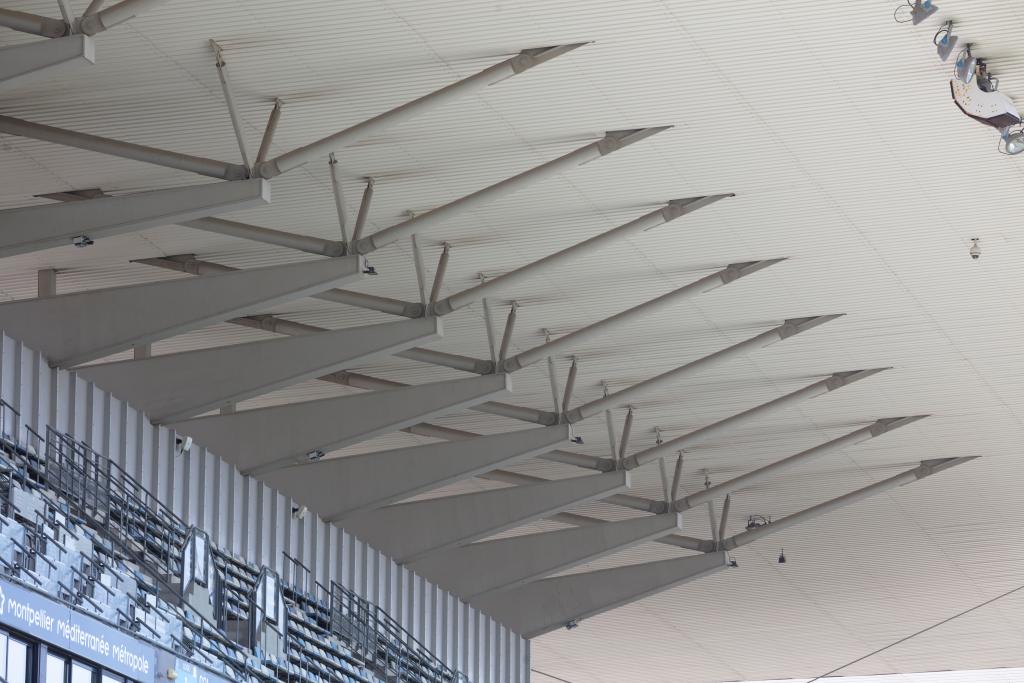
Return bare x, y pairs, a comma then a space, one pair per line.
829, 384
875, 429
725, 276
33, 23
525, 60
671, 211
126, 150
926, 469
611, 142
91, 24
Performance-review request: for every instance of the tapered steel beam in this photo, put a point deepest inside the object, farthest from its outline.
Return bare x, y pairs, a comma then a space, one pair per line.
875, 429
525, 60
34, 228
115, 14
188, 263
20, 63
127, 150
420, 224
341, 487
550, 604
33, 23
507, 563
410, 531
71, 329
267, 439
724, 276
671, 211
623, 397
926, 469
824, 386
195, 382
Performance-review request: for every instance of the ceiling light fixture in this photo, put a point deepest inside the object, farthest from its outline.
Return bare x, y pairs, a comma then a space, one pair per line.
965, 65
945, 41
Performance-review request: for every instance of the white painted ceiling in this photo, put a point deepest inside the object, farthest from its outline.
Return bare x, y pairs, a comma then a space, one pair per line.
834, 127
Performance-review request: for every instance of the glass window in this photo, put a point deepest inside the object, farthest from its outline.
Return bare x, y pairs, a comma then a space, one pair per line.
17, 661
3, 654
80, 673
55, 668
111, 678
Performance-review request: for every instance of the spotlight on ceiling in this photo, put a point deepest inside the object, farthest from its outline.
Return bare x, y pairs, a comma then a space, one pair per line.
782, 556
1013, 143
922, 9
965, 66
945, 41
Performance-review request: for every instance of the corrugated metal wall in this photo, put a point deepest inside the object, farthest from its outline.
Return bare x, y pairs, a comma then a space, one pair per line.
254, 520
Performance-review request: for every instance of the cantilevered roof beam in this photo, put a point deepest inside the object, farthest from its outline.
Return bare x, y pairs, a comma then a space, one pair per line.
829, 384
724, 276
26, 22
341, 487
194, 382
926, 469
410, 531
550, 604
624, 397
266, 439
671, 211
22, 62
875, 429
523, 61
105, 321
611, 142
507, 563
34, 228
127, 150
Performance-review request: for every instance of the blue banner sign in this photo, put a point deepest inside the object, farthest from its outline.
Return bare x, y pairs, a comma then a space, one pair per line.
59, 625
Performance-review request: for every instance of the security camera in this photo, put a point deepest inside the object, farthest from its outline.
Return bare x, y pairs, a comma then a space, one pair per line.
299, 511
81, 241
975, 250
571, 624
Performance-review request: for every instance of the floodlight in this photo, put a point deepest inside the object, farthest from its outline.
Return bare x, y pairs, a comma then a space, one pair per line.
945, 41
966, 65
922, 10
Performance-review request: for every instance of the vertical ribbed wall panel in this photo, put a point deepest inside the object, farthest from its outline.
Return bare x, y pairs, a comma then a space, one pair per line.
253, 520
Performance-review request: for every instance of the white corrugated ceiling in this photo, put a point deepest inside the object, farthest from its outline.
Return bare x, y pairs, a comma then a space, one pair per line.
834, 127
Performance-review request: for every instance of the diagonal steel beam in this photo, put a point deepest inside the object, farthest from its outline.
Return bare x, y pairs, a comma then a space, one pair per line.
267, 439
612, 141
717, 279
875, 429
824, 386
20, 63
34, 228
127, 150
507, 563
525, 60
410, 531
671, 211
342, 487
194, 382
157, 310
926, 469
188, 263
33, 23
550, 604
